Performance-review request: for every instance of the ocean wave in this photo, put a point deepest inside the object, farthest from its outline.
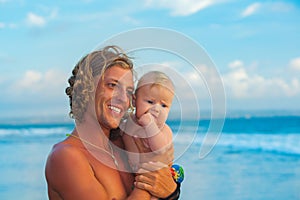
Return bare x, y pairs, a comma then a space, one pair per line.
285, 142
277, 143
31, 131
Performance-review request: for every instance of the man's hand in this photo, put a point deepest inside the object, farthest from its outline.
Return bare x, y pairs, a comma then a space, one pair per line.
156, 178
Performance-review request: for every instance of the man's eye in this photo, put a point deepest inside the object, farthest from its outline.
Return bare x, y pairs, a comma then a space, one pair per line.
111, 85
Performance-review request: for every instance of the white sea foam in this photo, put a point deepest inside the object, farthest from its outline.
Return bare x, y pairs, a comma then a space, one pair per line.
34, 131
186, 135
277, 143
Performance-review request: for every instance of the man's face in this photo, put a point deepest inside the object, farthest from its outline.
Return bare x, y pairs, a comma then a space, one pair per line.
113, 95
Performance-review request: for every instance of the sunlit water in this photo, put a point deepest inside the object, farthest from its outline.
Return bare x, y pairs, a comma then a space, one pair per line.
255, 158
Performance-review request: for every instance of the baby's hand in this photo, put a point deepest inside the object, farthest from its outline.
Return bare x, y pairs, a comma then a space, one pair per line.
145, 119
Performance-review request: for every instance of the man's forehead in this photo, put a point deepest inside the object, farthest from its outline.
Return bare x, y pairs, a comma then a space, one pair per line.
124, 79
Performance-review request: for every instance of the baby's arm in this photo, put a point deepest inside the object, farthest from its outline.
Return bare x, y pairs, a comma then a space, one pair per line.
160, 141
158, 138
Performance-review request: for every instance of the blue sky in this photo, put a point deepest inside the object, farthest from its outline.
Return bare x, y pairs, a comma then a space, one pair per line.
254, 45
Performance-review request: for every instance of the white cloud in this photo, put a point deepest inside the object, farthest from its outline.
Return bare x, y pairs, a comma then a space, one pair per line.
251, 9
131, 20
235, 64
295, 64
8, 25
53, 13
31, 79
12, 25
267, 7
2, 25
182, 8
236, 83
49, 83
241, 84
280, 7
35, 20
2, 79
87, 1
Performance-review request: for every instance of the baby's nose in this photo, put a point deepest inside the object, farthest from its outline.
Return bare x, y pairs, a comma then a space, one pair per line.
156, 108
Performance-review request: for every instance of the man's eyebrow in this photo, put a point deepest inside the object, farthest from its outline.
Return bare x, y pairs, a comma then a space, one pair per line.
112, 79
117, 81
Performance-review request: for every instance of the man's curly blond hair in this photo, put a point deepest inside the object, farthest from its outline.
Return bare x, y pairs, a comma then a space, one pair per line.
82, 89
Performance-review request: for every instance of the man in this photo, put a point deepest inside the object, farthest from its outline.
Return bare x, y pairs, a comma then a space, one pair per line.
86, 165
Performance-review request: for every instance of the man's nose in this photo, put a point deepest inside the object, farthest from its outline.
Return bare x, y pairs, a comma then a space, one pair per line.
121, 95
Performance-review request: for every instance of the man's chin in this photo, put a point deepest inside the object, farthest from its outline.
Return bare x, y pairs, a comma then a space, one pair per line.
114, 123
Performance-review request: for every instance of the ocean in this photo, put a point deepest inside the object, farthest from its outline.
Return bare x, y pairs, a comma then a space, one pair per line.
253, 158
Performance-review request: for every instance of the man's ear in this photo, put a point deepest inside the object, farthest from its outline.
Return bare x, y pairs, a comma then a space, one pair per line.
133, 100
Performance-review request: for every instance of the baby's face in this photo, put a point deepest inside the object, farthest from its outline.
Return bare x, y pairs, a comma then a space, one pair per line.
154, 99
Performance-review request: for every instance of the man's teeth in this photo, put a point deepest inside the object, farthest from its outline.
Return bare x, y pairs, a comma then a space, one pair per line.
115, 109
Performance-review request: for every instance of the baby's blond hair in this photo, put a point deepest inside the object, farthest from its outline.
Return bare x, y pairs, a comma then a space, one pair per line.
155, 78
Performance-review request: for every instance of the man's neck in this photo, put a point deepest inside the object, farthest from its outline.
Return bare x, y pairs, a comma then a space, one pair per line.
91, 131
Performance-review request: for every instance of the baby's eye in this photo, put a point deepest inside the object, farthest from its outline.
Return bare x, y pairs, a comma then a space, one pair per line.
164, 105
149, 101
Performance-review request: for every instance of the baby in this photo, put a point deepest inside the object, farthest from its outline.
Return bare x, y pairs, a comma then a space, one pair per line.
152, 101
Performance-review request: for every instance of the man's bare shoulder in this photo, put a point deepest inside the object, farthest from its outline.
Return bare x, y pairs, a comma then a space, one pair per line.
62, 157
68, 169
65, 150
